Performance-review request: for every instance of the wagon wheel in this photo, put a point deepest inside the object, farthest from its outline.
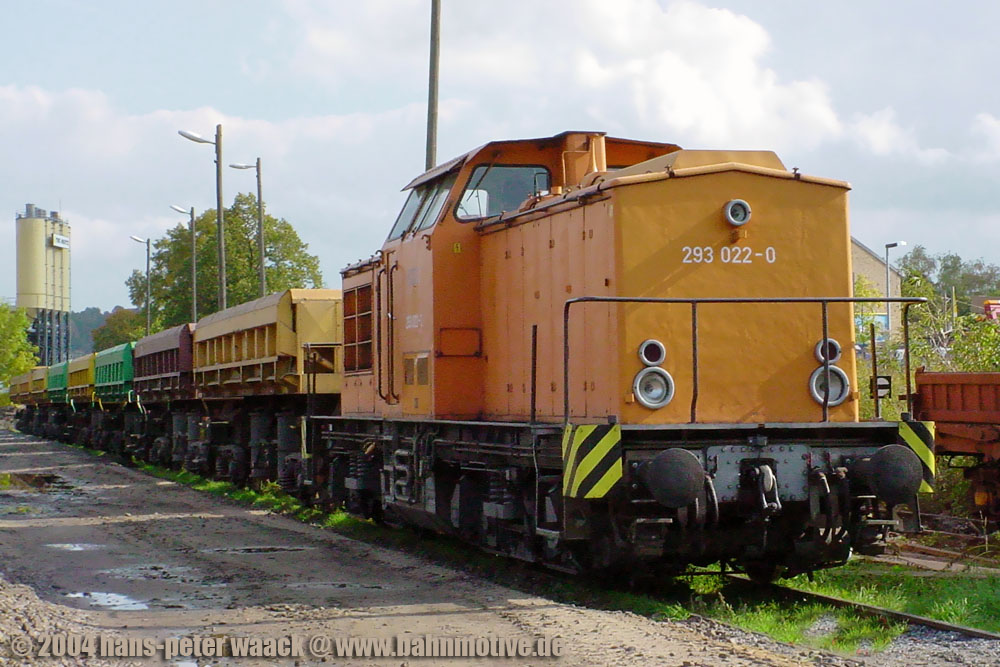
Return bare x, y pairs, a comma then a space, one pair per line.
762, 572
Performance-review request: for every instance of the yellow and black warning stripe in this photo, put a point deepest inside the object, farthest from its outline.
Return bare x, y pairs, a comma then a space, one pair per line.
592, 460
919, 437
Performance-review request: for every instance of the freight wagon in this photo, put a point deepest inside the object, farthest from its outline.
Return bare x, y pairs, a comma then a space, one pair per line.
966, 410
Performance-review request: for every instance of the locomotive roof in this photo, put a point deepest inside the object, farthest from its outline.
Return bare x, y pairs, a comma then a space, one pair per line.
445, 167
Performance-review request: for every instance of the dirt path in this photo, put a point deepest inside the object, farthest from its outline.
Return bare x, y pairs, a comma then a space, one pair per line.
91, 547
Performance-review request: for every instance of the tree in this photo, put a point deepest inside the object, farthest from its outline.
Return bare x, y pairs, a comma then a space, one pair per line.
122, 326
949, 273
17, 355
288, 264
930, 323
81, 325
918, 263
864, 313
976, 346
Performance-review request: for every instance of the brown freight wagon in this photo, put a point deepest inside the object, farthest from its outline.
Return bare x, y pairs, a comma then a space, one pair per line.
966, 410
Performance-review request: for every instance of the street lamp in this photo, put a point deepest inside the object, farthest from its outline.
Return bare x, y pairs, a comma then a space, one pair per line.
260, 224
194, 264
220, 233
146, 241
888, 288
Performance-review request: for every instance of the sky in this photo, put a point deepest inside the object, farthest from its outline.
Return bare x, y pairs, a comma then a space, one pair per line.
896, 97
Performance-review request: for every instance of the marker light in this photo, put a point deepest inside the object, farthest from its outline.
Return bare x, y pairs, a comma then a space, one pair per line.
737, 212
652, 352
829, 351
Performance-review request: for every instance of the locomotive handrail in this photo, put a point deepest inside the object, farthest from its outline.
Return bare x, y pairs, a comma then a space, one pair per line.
695, 302
377, 320
390, 316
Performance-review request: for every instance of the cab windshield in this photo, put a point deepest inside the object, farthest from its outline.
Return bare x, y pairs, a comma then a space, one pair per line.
423, 206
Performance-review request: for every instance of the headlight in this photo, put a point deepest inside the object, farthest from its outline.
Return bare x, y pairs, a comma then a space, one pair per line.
830, 350
652, 352
653, 387
840, 386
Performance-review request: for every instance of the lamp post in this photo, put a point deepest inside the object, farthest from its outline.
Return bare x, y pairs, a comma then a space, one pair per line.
260, 224
218, 204
146, 241
888, 287
194, 264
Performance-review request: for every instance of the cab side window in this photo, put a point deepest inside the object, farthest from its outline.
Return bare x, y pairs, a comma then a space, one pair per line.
493, 189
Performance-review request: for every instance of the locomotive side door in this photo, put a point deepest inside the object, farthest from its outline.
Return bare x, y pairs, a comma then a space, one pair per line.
405, 295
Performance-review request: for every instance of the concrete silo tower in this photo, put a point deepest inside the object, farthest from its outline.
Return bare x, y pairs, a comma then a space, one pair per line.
43, 273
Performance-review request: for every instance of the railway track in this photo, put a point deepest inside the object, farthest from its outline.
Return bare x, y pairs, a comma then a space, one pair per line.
789, 593
869, 610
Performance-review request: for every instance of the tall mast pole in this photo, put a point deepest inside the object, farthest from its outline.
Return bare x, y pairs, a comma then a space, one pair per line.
432, 88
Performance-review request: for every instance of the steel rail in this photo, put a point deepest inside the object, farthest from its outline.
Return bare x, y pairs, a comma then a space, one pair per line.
872, 610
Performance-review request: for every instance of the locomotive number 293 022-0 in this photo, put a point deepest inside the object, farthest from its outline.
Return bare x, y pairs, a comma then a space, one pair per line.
727, 255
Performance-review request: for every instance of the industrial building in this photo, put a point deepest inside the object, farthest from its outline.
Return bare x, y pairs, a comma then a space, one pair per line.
43, 280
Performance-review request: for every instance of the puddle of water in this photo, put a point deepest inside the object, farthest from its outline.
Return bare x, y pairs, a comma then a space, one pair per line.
152, 571
30, 482
333, 584
114, 601
197, 600
78, 546
255, 550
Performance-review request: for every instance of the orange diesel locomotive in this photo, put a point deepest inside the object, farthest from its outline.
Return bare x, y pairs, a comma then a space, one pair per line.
578, 350
590, 351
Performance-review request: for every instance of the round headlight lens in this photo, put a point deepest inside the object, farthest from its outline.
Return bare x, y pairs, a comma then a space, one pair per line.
830, 350
840, 386
652, 352
653, 387
737, 212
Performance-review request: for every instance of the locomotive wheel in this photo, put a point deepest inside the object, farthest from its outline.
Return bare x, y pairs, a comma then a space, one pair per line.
762, 572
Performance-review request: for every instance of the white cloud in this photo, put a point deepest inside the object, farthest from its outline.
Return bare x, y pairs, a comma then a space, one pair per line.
988, 127
113, 174
356, 42
881, 134
681, 72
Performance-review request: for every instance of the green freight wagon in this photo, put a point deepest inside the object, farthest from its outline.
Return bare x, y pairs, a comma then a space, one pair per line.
114, 372
57, 382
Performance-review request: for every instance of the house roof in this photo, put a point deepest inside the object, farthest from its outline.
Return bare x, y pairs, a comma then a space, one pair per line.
874, 254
